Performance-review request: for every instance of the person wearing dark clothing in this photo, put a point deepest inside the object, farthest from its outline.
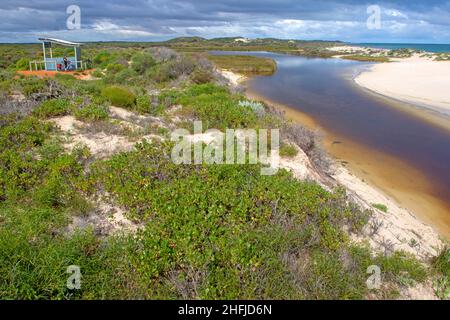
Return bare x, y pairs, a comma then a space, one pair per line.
66, 63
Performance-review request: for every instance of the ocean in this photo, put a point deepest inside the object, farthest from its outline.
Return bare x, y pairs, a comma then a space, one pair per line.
417, 46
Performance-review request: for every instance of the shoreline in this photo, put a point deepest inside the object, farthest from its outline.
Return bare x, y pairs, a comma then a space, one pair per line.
421, 111
407, 83
418, 81
362, 162
400, 224
354, 175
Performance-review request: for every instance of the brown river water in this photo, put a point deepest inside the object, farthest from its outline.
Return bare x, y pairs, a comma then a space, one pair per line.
401, 153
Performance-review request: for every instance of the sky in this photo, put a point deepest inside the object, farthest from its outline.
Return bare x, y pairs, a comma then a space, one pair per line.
401, 21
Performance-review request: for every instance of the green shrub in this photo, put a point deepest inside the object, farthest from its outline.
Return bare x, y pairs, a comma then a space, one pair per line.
288, 151
5, 86
206, 89
201, 76
32, 85
167, 98
6, 75
114, 67
92, 112
441, 270
125, 76
143, 104
56, 189
30, 161
97, 73
98, 99
119, 96
22, 64
380, 206
22, 135
172, 69
67, 79
103, 58
141, 62
441, 263
19, 172
159, 74
401, 268
216, 107
52, 108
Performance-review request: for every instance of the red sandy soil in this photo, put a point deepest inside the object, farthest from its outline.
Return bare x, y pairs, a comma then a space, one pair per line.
82, 75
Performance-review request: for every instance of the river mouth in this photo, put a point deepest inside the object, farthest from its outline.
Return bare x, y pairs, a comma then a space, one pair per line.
404, 156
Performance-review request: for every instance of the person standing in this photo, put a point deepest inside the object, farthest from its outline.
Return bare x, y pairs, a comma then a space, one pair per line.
66, 62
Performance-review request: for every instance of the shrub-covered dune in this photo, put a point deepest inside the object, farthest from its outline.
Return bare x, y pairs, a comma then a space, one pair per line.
186, 231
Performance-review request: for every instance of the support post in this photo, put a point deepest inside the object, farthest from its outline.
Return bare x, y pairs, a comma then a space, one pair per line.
76, 58
45, 58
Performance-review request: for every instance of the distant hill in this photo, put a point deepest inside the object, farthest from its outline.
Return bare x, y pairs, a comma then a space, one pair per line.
186, 39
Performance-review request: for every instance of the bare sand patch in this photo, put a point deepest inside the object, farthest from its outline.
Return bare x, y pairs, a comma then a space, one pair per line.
234, 78
106, 219
103, 144
100, 144
417, 80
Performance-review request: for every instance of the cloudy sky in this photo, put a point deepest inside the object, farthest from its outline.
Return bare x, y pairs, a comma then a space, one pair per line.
417, 21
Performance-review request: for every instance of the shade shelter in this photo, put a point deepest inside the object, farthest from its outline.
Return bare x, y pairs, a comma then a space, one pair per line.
51, 63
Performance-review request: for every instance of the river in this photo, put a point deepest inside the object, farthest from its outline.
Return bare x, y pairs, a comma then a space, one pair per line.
398, 152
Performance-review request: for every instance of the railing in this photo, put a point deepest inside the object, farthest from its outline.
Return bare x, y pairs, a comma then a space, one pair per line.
52, 65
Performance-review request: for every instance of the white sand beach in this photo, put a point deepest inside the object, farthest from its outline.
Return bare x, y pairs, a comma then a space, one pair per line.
418, 80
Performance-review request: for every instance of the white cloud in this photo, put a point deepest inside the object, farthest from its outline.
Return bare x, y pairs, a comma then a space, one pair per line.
156, 19
395, 13
105, 26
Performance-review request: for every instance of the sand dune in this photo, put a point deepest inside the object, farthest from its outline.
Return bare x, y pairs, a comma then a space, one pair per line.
417, 80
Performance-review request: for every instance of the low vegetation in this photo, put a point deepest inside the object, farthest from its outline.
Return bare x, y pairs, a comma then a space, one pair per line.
441, 269
119, 97
248, 65
369, 58
91, 112
52, 108
380, 206
202, 231
445, 56
288, 150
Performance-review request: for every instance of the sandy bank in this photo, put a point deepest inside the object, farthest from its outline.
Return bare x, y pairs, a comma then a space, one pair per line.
356, 50
234, 78
399, 227
416, 80
392, 177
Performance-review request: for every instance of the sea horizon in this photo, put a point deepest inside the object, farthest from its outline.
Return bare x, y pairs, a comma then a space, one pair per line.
429, 47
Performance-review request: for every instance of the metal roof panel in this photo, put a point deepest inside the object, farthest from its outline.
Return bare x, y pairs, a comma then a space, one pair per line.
61, 42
